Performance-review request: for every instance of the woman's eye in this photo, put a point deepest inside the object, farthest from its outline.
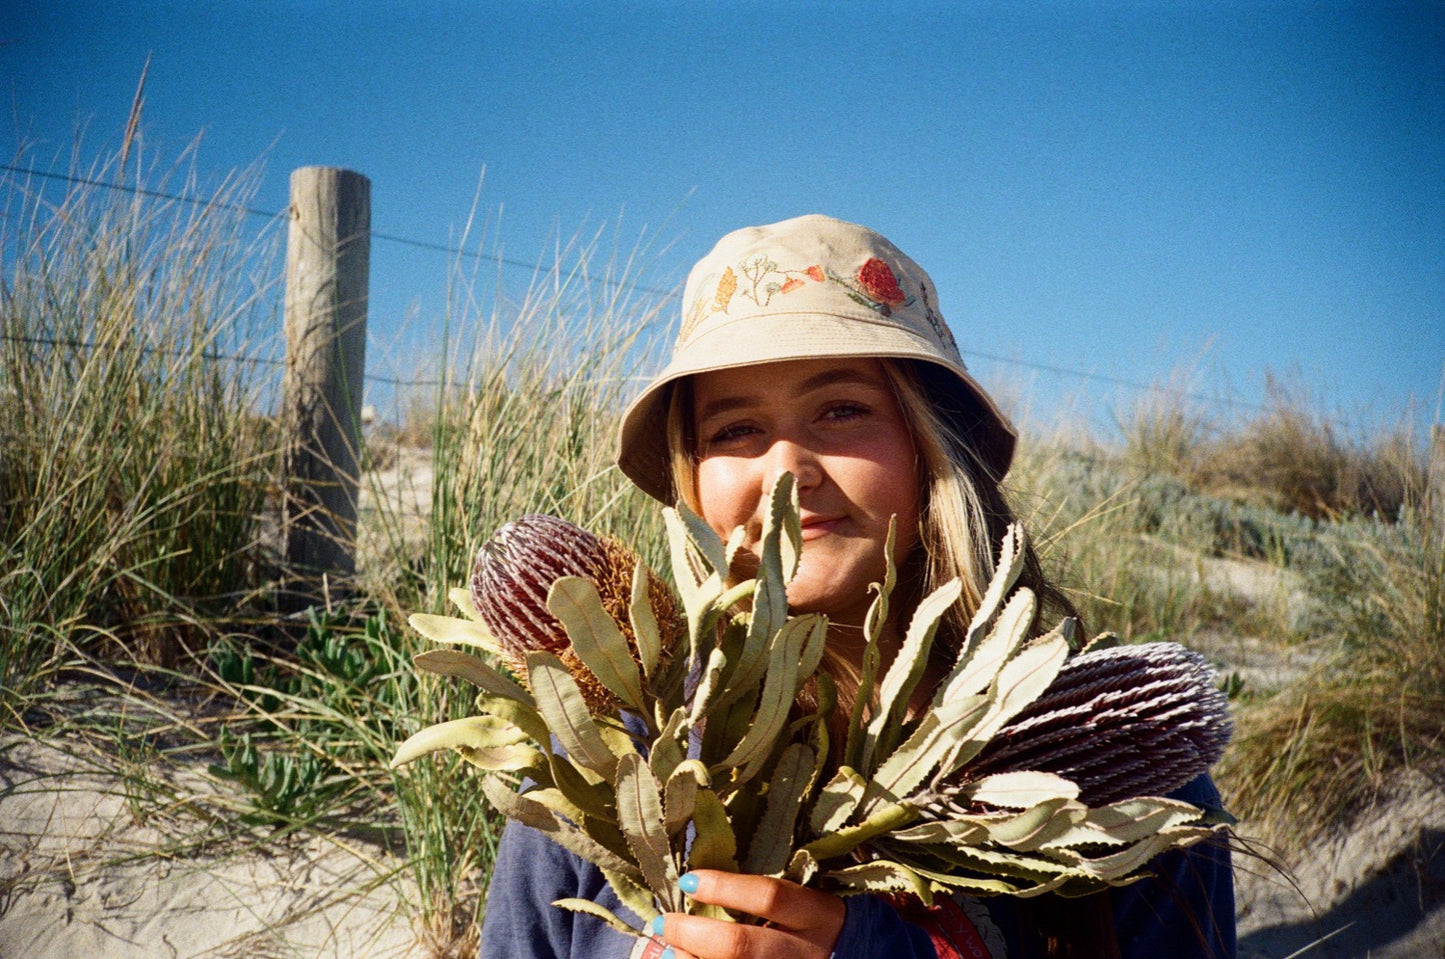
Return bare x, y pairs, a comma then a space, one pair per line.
845, 411
730, 434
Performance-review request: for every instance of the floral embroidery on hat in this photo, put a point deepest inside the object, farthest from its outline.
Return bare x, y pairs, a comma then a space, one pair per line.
940, 328
876, 277
762, 280
768, 280
877, 287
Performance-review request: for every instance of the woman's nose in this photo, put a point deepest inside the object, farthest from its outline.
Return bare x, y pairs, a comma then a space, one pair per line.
787, 456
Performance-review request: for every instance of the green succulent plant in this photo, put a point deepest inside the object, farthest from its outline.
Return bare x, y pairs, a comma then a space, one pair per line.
708, 761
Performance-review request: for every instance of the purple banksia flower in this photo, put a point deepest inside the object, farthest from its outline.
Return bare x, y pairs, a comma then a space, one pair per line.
1120, 723
516, 568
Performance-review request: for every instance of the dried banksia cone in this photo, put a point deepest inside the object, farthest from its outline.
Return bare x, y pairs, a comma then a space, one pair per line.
516, 568
1120, 723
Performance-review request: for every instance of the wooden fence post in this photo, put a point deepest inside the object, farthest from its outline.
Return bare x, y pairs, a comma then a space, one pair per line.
328, 254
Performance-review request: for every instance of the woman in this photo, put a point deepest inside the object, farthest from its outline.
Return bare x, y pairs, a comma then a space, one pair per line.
814, 347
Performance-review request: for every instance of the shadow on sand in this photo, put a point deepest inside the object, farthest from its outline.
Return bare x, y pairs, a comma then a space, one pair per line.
1399, 912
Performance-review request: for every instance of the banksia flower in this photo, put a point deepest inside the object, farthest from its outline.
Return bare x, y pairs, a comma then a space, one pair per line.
514, 572
1120, 723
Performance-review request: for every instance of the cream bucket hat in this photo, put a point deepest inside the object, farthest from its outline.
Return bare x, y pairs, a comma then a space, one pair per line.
806, 288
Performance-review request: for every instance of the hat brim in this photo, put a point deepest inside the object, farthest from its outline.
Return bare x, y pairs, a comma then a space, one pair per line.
642, 441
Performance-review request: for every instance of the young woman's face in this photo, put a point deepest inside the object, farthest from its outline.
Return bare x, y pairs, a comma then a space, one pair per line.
836, 425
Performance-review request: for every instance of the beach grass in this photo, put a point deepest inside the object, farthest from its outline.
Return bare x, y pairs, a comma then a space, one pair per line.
138, 469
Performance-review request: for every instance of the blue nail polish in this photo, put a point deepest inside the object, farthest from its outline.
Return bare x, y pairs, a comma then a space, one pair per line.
657, 923
668, 953
688, 883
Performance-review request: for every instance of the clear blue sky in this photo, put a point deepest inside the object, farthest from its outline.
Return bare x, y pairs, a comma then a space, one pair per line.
1114, 188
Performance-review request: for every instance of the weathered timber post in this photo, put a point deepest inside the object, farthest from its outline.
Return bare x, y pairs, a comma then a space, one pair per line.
328, 258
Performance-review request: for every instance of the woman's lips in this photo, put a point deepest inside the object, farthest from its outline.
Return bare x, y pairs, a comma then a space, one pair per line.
819, 526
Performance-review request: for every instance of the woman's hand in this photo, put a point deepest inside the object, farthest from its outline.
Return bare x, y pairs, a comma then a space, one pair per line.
801, 923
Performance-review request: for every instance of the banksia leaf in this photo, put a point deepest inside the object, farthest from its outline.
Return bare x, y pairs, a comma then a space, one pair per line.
907, 669
772, 843
596, 638
715, 845
451, 662
482, 740
590, 908
560, 703
639, 813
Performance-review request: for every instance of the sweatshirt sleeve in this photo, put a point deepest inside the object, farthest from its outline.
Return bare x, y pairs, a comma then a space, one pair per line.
872, 929
1187, 909
530, 873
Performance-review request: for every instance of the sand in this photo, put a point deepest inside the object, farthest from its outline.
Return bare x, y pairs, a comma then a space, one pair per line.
81, 876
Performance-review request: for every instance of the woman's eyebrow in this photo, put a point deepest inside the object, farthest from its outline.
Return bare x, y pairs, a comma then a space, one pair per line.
834, 377
727, 404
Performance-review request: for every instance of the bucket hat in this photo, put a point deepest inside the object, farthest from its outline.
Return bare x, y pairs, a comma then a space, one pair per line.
808, 288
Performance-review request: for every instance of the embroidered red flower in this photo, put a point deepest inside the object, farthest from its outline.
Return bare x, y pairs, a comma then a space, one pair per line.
815, 273
792, 284
878, 281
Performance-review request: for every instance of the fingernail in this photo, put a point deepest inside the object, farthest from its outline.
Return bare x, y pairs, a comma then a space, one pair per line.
668, 954
657, 923
688, 883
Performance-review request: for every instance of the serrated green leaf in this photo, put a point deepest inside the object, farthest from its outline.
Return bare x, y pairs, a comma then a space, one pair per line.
881, 876
837, 800
455, 632
936, 736
698, 581
560, 803
486, 738
1006, 573
779, 687
572, 838
771, 844
1101, 642
584, 789
998, 861
1134, 819
639, 813
1028, 830
1020, 789
801, 868
947, 831
1119, 865
462, 599
680, 794
977, 670
519, 714
714, 846
907, 670
883, 820
643, 621
1022, 680
708, 685
595, 637
590, 908
460, 665
966, 884
560, 703
633, 895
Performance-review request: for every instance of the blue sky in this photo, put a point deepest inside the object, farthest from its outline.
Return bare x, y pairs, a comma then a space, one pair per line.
1114, 189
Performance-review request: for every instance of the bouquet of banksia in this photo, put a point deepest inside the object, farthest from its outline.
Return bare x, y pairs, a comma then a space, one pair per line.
662, 733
